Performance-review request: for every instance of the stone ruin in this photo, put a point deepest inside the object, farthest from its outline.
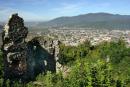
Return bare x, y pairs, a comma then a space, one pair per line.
23, 61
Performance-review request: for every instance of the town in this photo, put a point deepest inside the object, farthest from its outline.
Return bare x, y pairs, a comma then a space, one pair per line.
75, 36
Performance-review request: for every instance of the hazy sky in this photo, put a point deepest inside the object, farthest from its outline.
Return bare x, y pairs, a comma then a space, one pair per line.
43, 10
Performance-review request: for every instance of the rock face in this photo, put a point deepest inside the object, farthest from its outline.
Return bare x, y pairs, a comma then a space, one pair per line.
14, 48
23, 61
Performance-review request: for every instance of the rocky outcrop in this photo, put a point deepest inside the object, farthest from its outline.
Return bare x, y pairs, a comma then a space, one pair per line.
14, 48
23, 61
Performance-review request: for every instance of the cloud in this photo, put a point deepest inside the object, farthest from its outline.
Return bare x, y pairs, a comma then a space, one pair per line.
67, 8
28, 16
33, 2
79, 8
105, 4
13, 3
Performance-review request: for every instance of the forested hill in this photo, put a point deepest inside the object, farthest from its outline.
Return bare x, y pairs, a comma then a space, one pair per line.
92, 21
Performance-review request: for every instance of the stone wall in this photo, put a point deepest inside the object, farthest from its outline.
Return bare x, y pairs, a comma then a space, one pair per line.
41, 55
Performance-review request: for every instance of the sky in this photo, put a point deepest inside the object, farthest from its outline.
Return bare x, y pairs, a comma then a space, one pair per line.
44, 10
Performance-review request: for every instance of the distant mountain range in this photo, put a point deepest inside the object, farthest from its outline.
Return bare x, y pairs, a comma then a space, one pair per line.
87, 21
91, 20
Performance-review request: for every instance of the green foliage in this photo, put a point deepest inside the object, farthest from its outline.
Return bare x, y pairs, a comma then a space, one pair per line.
97, 74
82, 74
68, 54
119, 56
1, 81
115, 53
104, 65
48, 80
1, 64
1, 68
